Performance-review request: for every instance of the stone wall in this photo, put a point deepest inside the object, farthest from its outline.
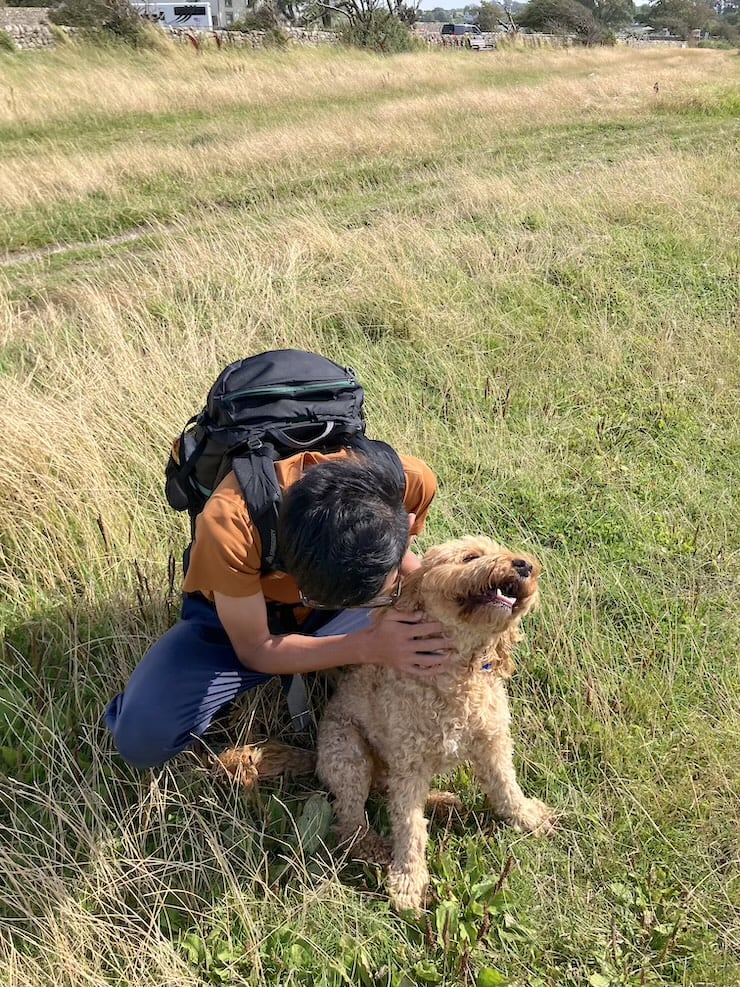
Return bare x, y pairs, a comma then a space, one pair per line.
220, 38
497, 39
23, 16
655, 43
27, 26
28, 38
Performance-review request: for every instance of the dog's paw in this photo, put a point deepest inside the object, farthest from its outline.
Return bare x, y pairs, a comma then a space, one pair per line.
372, 849
533, 816
406, 891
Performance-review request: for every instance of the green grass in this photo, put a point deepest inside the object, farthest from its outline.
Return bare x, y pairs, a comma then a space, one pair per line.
164, 198
543, 306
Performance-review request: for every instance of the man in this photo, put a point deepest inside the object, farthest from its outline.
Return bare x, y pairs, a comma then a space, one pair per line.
345, 527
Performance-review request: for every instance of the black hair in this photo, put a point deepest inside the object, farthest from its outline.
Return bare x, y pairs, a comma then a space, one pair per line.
343, 528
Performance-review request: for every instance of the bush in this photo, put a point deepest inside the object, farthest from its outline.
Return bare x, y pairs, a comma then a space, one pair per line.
381, 31
722, 43
261, 19
104, 19
562, 17
6, 42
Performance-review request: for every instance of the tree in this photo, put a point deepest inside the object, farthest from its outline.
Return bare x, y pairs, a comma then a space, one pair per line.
438, 15
562, 17
681, 16
290, 10
379, 24
612, 13
488, 16
407, 13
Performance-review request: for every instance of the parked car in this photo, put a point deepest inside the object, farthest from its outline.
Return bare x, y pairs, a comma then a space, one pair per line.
474, 38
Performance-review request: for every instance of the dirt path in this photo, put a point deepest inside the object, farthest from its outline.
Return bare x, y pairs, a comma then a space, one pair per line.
14, 259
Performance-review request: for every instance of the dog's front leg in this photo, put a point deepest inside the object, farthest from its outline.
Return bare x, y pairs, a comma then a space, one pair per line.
345, 764
494, 764
408, 875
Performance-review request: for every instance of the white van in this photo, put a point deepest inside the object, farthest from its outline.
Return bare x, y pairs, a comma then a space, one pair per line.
195, 15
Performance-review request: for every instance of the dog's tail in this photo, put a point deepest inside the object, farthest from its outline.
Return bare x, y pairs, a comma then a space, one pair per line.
247, 765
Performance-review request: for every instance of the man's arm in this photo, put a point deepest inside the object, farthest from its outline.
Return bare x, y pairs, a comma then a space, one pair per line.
408, 642
409, 563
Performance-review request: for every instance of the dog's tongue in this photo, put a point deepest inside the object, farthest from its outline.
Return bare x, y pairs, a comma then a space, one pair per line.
508, 601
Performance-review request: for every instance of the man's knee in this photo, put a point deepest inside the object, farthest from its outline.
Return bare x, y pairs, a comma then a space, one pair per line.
143, 740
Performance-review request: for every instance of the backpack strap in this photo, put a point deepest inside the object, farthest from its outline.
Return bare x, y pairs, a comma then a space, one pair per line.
255, 473
189, 456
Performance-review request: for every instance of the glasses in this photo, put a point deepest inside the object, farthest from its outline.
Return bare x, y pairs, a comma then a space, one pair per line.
386, 600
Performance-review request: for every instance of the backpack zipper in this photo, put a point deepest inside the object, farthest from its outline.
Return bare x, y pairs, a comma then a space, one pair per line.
290, 392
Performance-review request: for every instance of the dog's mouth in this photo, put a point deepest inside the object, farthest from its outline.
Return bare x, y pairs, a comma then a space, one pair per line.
504, 596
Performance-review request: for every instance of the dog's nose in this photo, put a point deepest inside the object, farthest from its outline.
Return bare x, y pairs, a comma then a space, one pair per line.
523, 568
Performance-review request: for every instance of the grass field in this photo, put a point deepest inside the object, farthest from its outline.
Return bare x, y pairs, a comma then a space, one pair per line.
531, 260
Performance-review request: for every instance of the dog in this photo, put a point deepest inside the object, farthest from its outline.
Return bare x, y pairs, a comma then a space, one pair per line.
383, 728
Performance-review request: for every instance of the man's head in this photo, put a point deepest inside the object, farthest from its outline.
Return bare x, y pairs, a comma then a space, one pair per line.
343, 530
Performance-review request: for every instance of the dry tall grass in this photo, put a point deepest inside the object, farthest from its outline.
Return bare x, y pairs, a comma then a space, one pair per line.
65, 87
341, 111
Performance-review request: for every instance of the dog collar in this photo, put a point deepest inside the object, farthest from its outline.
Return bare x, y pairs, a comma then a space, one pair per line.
488, 667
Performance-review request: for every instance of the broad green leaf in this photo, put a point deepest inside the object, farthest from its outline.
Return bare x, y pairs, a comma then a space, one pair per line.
314, 823
427, 972
298, 957
469, 932
661, 934
622, 893
488, 977
194, 947
446, 919
474, 910
483, 889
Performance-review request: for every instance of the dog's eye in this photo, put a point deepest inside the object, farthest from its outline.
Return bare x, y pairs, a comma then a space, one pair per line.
471, 556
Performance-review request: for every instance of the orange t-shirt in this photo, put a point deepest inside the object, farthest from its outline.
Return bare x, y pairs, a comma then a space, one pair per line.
227, 552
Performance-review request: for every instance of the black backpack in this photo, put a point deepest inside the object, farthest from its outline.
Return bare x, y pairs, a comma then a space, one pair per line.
259, 410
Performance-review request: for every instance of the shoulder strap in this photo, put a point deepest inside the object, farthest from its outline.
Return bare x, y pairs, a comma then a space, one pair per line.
255, 474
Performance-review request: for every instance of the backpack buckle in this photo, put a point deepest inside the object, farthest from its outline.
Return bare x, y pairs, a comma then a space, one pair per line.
254, 444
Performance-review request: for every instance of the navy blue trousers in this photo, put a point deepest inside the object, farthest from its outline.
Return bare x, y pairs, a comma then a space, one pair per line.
185, 680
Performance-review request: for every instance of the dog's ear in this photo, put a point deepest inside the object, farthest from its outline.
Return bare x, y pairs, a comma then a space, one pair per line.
411, 592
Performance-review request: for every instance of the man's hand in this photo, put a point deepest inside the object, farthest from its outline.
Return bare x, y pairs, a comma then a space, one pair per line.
407, 642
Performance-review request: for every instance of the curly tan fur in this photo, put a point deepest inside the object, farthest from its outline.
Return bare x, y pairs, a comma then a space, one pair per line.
247, 765
413, 728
